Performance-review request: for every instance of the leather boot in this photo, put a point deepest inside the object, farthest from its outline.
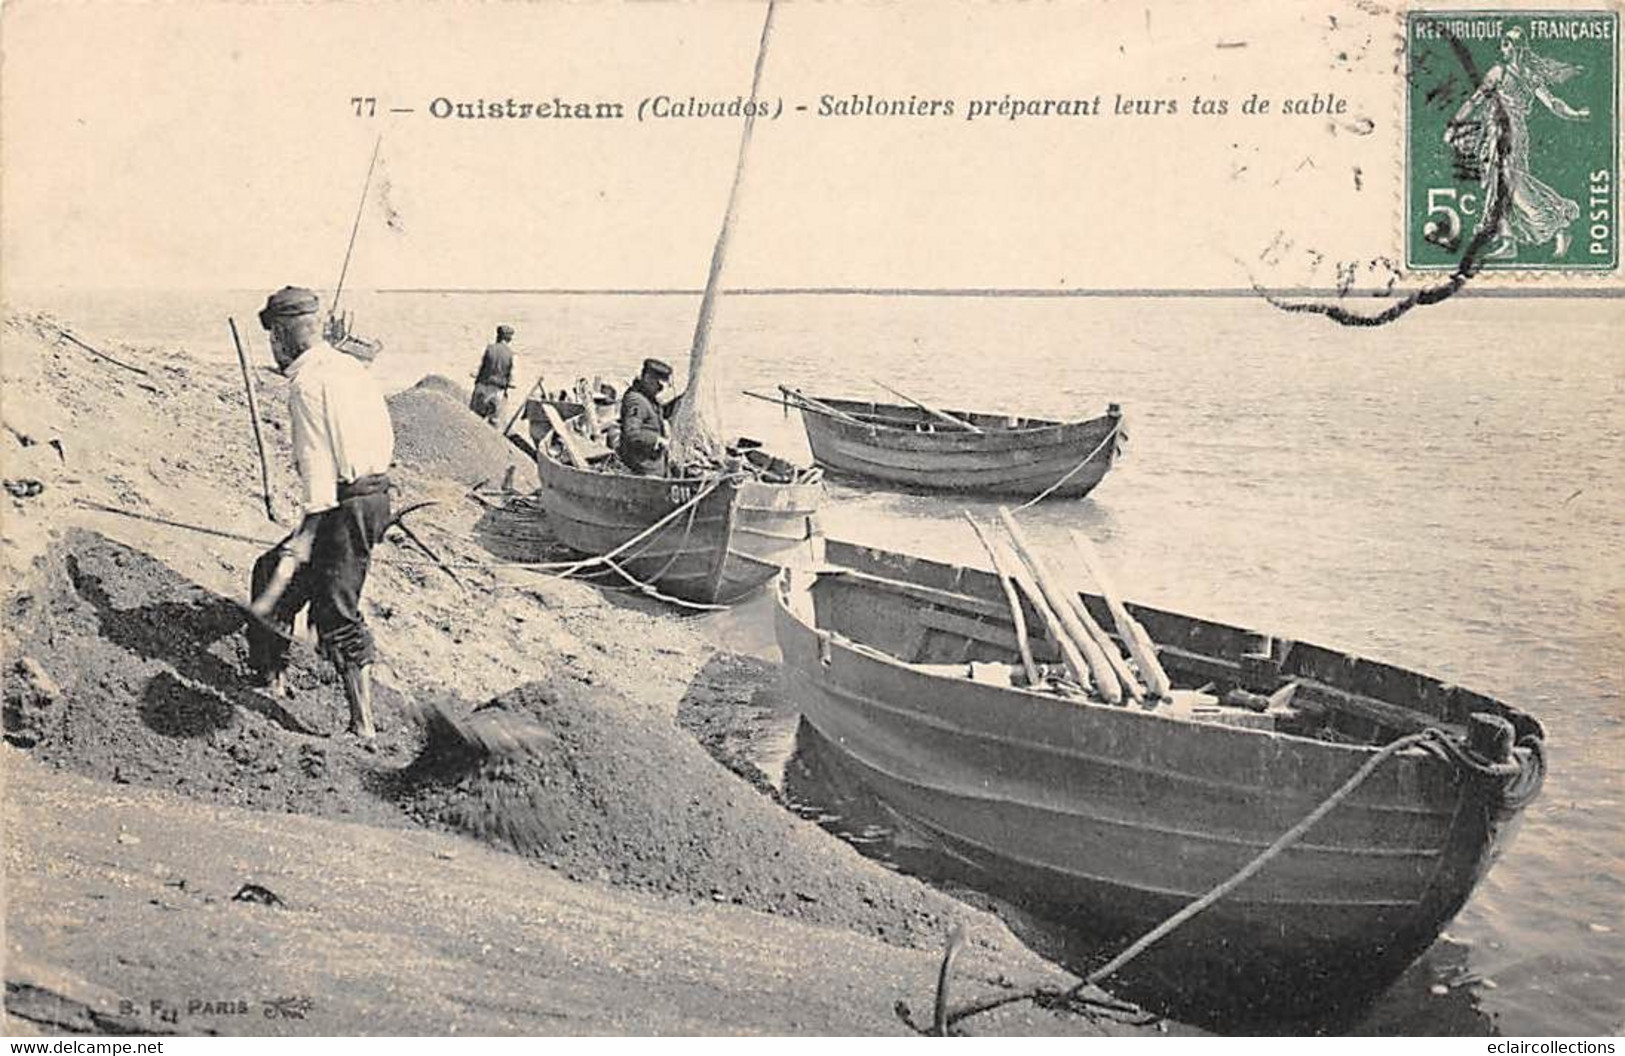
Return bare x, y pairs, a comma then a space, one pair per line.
358, 691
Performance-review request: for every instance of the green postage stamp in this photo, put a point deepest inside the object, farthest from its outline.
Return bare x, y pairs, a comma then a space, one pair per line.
1512, 140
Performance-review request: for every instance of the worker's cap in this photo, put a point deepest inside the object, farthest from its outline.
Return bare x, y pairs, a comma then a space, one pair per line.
658, 368
504, 330
288, 302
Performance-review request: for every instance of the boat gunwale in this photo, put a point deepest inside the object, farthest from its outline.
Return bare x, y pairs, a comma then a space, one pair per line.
1022, 693
1144, 612
855, 409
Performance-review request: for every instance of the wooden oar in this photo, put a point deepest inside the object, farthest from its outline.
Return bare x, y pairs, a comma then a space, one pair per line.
1073, 659
1108, 648
1139, 643
1106, 681
928, 409
254, 417
1016, 615
819, 406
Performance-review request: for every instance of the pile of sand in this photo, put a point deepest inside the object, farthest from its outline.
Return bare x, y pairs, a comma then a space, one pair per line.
444, 385
606, 795
125, 671
437, 434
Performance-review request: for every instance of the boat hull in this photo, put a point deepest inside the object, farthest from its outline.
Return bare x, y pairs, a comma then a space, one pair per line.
1118, 817
727, 545
916, 455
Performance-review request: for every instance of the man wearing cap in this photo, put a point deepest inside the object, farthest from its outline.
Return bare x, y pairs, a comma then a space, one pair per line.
642, 444
495, 378
342, 444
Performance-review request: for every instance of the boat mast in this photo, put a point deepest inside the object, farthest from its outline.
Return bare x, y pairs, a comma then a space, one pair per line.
695, 432
360, 210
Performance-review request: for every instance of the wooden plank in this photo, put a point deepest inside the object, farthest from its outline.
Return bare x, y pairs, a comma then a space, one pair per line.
968, 602
993, 634
572, 450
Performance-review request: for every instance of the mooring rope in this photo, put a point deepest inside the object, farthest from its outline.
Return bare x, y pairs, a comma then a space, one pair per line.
677, 551
676, 512
1117, 427
560, 568
651, 591
1430, 737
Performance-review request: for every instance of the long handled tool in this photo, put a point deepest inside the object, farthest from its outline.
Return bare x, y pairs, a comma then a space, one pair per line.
1016, 615
254, 418
1139, 643
1070, 656
1108, 648
932, 411
399, 521
1106, 681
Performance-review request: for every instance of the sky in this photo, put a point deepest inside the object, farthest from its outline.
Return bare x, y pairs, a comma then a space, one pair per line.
212, 145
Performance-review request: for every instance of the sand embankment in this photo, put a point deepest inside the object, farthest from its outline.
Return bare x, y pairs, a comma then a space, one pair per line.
611, 879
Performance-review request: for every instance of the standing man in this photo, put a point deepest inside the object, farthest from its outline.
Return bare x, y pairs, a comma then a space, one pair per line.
495, 378
642, 444
342, 444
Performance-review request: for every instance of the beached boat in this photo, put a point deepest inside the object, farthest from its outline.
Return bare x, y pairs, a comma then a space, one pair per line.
1120, 816
710, 540
909, 447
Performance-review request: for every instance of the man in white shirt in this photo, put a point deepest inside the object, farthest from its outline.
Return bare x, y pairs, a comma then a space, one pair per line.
343, 442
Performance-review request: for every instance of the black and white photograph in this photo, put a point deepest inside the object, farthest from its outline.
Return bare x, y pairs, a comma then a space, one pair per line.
867, 518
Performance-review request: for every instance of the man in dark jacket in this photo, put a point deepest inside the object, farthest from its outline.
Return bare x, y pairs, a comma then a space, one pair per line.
642, 444
495, 378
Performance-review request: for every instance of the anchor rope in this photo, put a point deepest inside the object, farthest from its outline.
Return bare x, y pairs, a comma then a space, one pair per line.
676, 512
1431, 738
1090, 457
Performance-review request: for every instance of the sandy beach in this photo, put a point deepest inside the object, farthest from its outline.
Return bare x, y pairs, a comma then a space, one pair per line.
187, 854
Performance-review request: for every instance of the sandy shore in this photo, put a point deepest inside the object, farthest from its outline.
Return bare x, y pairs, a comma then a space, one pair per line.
613, 880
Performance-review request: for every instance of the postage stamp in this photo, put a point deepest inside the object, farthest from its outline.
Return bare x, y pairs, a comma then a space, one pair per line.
1512, 140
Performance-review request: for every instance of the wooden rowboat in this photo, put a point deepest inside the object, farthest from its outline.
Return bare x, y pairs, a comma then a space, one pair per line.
1120, 816
728, 543
908, 447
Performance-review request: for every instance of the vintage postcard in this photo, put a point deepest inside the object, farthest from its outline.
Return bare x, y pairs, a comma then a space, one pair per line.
783, 518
